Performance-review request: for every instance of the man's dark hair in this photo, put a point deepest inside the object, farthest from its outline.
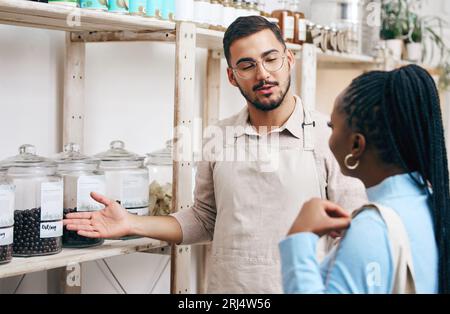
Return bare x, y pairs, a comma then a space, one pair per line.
246, 26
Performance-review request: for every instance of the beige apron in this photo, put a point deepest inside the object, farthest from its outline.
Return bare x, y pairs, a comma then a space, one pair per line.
245, 256
403, 281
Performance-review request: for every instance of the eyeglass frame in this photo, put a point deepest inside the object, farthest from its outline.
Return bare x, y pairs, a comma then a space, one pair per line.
234, 69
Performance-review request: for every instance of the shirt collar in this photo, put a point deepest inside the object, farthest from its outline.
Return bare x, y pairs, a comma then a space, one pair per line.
293, 124
395, 186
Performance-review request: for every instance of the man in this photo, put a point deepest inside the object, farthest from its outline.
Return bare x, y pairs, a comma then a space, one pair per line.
246, 205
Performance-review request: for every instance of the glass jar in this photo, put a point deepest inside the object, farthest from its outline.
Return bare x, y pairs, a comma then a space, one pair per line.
7, 190
126, 178
168, 10
240, 8
81, 177
216, 15
153, 9
202, 11
38, 213
229, 13
137, 7
159, 164
286, 21
184, 10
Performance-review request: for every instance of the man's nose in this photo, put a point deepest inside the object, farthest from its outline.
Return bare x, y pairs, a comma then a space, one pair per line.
261, 72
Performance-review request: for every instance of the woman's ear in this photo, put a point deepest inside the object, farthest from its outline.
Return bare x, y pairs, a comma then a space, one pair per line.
231, 77
359, 145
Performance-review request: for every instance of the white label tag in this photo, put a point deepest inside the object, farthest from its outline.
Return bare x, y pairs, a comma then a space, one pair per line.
289, 23
51, 229
302, 29
139, 211
52, 201
86, 185
135, 191
6, 236
6, 205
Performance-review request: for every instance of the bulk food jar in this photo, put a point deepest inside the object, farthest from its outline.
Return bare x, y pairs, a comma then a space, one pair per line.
126, 178
38, 210
81, 177
6, 217
159, 164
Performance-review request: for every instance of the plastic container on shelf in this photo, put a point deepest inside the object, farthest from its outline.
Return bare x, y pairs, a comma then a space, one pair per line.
98, 5
184, 10
167, 10
67, 3
215, 20
7, 190
118, 6
81, 177
137, 7
38, 213
202, 11
229, 13
126, 177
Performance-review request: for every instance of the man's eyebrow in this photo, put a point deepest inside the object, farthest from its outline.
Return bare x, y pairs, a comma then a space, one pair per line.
253, 60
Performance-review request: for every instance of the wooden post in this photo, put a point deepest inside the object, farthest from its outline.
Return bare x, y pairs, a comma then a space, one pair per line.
211, 108
183, 157
73, 111
309, 75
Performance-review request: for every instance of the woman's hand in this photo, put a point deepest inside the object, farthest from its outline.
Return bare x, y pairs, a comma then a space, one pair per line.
111, 222
321, 217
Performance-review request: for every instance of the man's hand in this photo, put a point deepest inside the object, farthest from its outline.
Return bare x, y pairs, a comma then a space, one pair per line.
111, 222
321, 217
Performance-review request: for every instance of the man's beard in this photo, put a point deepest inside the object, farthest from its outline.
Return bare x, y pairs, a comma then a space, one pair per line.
271, 106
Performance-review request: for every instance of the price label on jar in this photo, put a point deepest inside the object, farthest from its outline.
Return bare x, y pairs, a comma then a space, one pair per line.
52, 195
289, 27
6, 236
51, 229
6, 206
302, 29
86, 185
135, 191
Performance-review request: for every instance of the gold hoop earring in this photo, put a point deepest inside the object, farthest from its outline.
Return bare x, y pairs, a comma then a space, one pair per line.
347, 165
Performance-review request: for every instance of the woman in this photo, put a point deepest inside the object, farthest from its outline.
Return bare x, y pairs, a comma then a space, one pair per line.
386, 131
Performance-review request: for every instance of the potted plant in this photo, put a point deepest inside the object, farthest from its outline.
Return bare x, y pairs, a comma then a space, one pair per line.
414, 46
394, 27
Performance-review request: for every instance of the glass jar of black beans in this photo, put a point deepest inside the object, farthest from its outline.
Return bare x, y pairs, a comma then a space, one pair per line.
81, 177
38, 206
7, 191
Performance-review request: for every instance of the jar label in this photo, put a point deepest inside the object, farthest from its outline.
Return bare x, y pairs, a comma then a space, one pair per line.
86, 185
302, 29
6, 236
6, 205
135, 191
139, 211
51, 229
52, 201
289, 23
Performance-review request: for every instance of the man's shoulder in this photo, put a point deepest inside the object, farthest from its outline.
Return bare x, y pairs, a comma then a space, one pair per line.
234, 120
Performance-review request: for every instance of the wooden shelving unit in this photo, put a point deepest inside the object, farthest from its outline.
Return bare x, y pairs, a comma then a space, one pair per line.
83, 27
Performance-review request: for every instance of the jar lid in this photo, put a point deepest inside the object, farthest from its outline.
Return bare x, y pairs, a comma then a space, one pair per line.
117, 152
162, 156
72, 154
27, 158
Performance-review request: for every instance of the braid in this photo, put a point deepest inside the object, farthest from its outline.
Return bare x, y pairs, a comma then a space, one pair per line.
399, 114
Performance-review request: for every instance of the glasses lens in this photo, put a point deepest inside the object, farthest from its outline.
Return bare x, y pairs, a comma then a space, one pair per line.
273, 62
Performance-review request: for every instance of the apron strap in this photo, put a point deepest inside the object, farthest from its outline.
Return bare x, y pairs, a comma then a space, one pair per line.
307, 125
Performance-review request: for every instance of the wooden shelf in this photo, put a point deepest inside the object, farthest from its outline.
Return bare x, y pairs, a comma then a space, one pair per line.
22, 265
97, 26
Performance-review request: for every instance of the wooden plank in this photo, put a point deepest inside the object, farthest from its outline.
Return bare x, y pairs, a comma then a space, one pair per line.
211, 109
100, 20
73, 110
92, 37
183, 153
21, 265
309, 76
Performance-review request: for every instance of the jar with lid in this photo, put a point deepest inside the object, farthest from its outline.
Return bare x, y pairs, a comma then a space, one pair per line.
159, 164
38, 213
184, 10
153, 9
7, 190
202, 12
286, 21
229, 13
167, 10
126, 178
81, 177
216, 15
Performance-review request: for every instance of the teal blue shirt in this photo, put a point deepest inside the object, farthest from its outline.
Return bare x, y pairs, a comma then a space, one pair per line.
363, 263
